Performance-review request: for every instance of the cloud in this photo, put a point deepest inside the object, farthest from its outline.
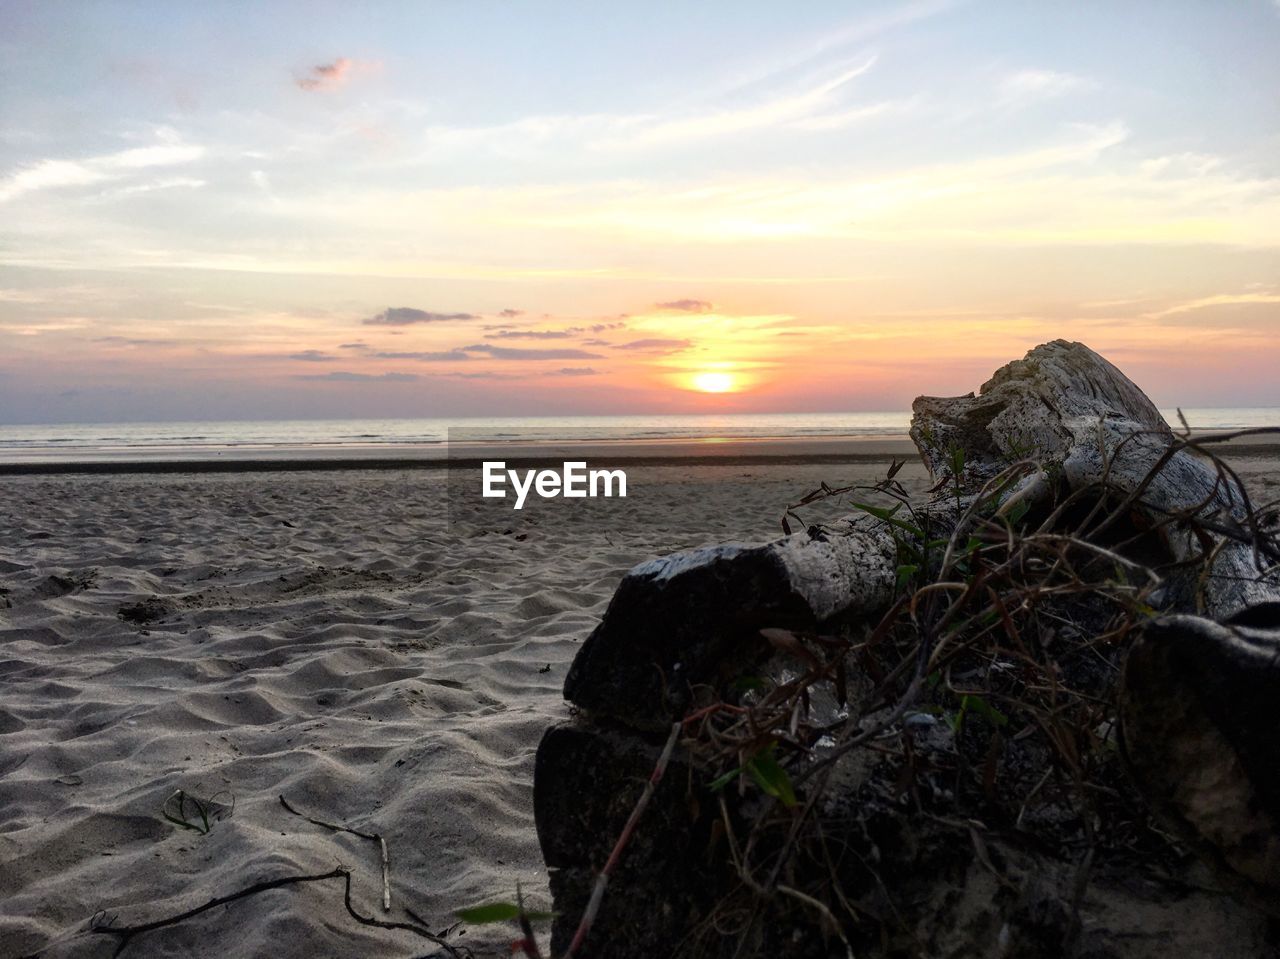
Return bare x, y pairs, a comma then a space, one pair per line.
345, 377
815, 106
482, 375
844, 118
312, 356
495, 375
165, 183
328, 76
49, 174
511, 314
1027, 86
687, 306
22, 296
437, 356
407, 316
655, 345
169, 150
132, 341
807, 91
1072, 187
353, 346
512, 353
771, 113
1221, 299
562, 334
532, 334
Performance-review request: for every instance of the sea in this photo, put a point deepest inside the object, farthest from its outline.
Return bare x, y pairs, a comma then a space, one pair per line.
413, 438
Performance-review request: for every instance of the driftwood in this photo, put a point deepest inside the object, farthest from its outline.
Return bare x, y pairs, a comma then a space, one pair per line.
1058, 433
1198, 712
694, 618
1199, 696
1079, 418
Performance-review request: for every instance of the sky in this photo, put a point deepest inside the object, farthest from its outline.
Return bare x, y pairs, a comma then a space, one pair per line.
447, 208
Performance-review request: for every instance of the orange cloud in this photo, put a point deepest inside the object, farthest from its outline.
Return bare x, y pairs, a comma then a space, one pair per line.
687, 306
328, 76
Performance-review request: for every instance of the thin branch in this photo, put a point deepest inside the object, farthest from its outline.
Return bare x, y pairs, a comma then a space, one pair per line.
823, 911
602, 880
372, 836
126, 934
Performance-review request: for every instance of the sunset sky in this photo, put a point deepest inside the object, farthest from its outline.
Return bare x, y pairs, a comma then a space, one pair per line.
237, 210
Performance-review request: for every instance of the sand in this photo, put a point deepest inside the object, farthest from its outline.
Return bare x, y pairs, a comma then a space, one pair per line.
325, 635
322, 635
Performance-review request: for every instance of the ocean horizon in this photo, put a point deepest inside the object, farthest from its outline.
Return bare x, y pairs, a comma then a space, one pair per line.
342, 438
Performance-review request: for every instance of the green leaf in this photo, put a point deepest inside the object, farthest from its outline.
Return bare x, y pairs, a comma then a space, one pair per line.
879, 512
184, 824
984, 709
905, 572
747, 683
772, 778
500, 912
721, 781
493, 912
764, 770
181, 818
1019, 510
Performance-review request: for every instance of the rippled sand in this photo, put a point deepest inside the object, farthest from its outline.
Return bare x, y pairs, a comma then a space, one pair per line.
326, 636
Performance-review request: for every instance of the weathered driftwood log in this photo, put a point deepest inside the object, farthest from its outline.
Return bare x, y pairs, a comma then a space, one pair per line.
1199, 698
1198, 712
694, 619
1078, 417
1197, 709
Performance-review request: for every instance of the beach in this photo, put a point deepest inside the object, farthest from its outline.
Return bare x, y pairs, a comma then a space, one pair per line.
323, 635
455, 458
339, 637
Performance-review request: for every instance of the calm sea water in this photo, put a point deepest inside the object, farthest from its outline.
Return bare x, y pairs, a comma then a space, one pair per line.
394, 437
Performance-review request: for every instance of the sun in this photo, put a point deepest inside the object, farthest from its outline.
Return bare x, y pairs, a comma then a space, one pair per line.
714, 382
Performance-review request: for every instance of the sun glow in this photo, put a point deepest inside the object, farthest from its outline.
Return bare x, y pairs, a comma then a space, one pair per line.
712, 381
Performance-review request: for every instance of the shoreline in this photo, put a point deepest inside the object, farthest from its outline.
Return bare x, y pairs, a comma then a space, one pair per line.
732, 452
641, 453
